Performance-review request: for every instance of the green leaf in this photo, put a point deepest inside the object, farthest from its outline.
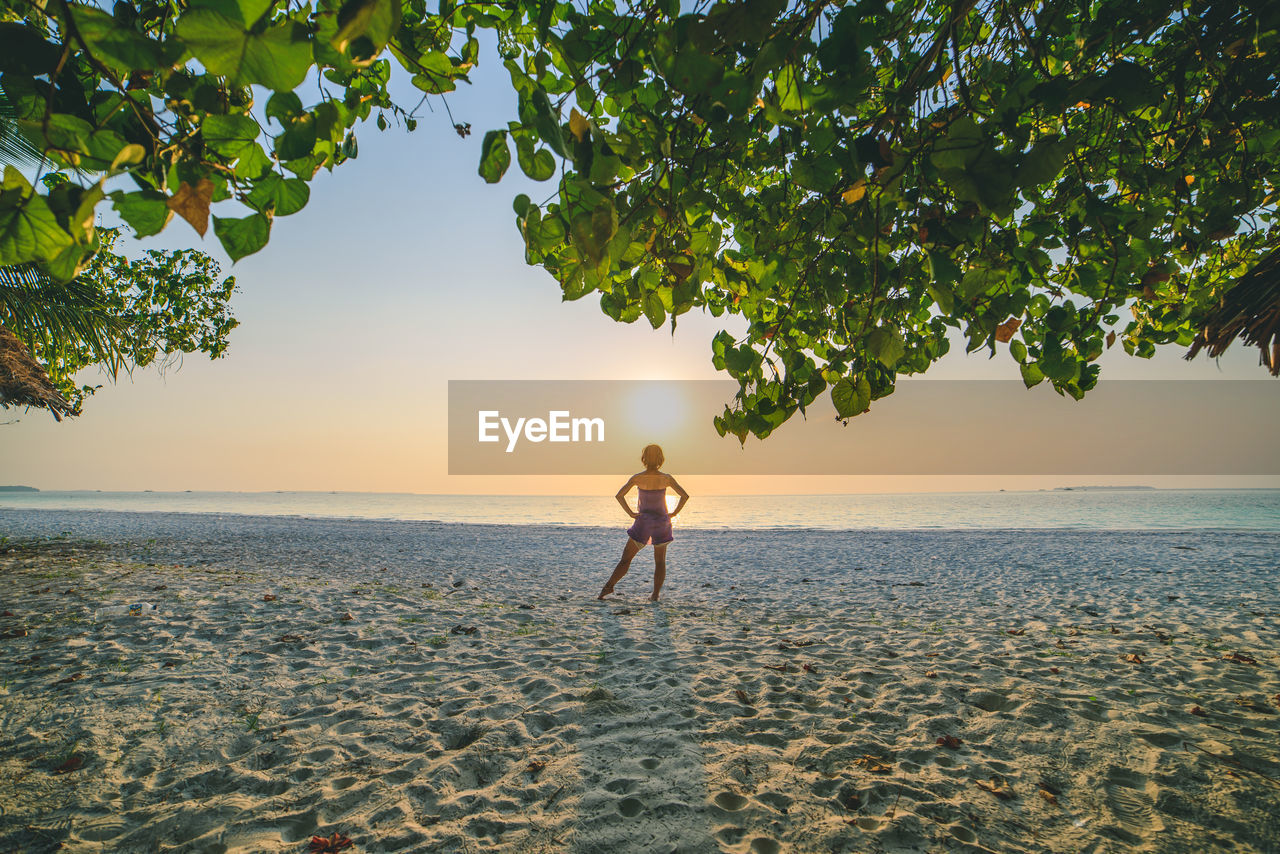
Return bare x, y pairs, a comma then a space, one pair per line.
284, 107
120, 47
887, 345
1031, 374
696, 73
653, 309
299, 139
26, 53
229, 136
28, 229
538, 164
495, 156
244, 236
546, 123
365, 26
253, 163
1043, 162
223, 36
144, 210
436, 72
279, 196
851, 397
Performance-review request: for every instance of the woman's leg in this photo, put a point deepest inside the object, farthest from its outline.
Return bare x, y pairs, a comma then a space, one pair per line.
621, 569
659, 570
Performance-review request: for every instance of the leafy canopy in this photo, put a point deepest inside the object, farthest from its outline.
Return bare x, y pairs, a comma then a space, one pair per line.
856, 180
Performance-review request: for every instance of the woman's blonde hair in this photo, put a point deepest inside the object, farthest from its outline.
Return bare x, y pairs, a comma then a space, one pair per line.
652, 457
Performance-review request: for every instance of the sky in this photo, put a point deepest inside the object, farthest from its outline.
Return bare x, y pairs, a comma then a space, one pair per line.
406, 271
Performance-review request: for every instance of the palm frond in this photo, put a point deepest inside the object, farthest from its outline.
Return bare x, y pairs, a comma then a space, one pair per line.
16, 148
47, 314
24, 383
1250, 311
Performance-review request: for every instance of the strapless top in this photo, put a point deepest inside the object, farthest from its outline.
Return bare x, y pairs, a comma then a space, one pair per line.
652, 501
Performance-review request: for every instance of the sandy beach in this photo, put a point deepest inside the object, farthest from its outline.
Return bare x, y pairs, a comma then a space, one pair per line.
432, 687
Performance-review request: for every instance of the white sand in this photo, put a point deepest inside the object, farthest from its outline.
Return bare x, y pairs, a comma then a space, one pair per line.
228, 723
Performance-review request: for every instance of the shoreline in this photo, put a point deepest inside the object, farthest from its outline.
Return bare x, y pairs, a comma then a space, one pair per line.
778, 699
622, 523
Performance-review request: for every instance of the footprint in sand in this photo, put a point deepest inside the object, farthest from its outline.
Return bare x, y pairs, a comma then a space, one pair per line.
630, 807
620, 786
765, 845
1134, 810
730, 801
650, 763
730, 835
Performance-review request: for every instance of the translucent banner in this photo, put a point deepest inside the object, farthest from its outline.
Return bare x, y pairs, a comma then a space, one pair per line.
944, 427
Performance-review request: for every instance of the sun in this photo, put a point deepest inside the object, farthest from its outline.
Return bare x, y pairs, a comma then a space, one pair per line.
657, 410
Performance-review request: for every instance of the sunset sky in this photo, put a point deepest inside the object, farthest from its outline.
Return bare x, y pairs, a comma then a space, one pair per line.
406, 271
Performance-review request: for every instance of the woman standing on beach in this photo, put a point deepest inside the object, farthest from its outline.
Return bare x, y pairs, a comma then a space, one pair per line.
653, 522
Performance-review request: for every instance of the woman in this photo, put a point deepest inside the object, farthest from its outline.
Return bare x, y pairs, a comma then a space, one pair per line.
653, 522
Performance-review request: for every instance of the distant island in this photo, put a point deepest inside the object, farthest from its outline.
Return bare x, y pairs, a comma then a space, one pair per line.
1099, 488
18, 489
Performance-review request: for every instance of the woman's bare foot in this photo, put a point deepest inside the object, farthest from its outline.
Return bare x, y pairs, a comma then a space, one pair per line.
605, 591
653, 598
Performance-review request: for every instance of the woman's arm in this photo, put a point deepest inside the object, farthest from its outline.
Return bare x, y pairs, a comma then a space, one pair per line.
679, 490
622, 497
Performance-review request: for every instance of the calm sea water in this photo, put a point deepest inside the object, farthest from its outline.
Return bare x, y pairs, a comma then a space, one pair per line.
1087, 509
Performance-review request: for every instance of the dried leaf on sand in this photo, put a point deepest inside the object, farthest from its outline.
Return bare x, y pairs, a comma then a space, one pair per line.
328, 844
996, 786
874, 764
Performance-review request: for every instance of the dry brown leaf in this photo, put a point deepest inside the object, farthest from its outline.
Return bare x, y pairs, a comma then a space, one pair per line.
72, 678
681, 267
874, 764
578, 125
742, 697
1198, 712
1017, 632
1049, 796
13, 633
1111, 338
1239, 658
856, 192
346, 618
950, 742
807, 668
269, 597
329, 844
931, 674
1004, 332
1133, 658
1054, 670
535, 766
74, 763
192, 204
996, 786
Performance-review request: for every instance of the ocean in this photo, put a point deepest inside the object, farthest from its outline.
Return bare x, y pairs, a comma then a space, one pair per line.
1081, 508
